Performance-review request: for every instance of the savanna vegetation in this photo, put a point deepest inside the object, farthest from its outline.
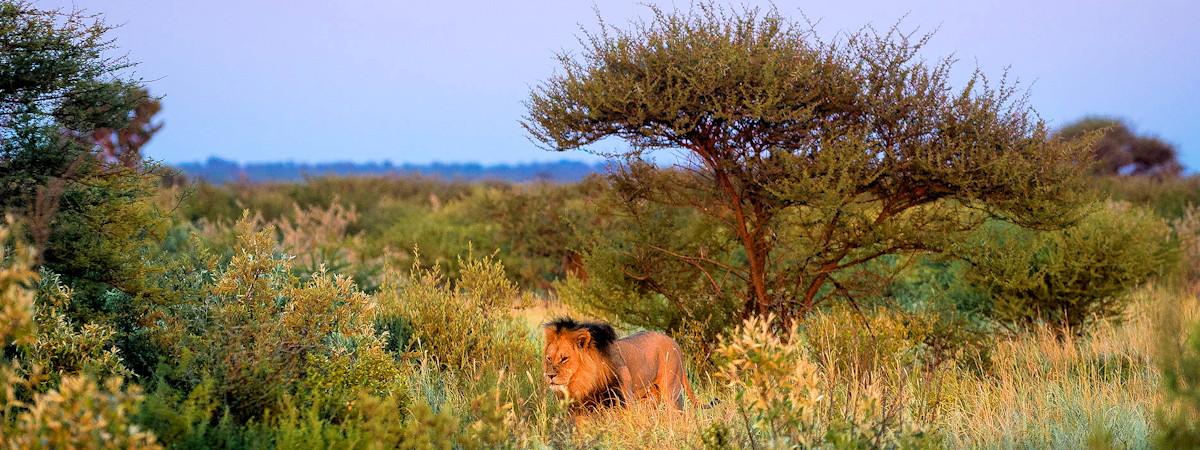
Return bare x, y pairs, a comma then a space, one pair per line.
852, 252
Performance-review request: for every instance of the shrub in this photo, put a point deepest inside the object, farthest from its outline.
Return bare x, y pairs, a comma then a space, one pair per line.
320, 238
16, 297
461, 323
439, 235
263, 331
378, 423
1073, 277
186, 420
107, 238
81, 413
788, 400
535, 227
62, 347
1169, 197
1187, 232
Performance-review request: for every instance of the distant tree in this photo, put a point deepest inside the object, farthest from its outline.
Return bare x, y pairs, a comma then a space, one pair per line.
1120, 151
818, 156
124, 145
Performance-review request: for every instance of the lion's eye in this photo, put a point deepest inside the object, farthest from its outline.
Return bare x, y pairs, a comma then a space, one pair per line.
563, 360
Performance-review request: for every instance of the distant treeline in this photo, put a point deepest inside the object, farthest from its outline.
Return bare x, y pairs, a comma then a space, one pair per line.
216, 170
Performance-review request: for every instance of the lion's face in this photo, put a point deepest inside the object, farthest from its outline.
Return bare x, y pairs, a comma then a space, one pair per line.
565, 358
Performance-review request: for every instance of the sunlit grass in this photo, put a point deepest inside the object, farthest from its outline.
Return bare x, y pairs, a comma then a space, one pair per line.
1040, 391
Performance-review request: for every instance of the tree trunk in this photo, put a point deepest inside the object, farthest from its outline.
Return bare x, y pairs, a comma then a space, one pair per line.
758, 280
751, 234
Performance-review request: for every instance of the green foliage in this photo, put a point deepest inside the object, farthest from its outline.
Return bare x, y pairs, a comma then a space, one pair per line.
532, 228
57, 67
16, 296
1179, 360
319, 239
458, 323
377, 424
814, 157
55, 76
46, 399
62, 347
535, 227
105, 237
186, 420
1073, 277
631, 273
70, 166
263, 330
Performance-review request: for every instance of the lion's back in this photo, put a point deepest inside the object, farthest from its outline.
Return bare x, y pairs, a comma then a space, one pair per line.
646, 347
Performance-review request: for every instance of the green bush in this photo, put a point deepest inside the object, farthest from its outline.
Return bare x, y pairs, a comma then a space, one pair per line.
632, 275
264, 332
532, 228
62, 347
460, 323
1187, 232
1073, 277
17, 276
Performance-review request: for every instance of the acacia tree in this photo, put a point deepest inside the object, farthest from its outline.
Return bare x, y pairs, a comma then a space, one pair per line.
819, 156
1120, 151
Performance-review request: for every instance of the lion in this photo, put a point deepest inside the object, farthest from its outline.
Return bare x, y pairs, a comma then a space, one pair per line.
587, 365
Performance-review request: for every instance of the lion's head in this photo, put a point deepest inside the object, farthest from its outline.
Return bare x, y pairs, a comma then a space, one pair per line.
577, 364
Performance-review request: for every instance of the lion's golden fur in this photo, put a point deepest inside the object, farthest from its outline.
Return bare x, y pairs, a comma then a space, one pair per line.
586, 363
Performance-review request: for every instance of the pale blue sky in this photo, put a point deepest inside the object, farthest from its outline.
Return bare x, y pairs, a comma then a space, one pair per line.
416, 81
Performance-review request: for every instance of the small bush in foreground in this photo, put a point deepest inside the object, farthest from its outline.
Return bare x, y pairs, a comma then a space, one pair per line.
787, 401
82, 413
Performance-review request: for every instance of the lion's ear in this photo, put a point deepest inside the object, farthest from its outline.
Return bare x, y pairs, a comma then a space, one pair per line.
583, 339
549, 330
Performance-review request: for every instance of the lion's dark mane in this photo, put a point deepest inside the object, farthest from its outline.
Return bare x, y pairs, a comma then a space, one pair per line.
603, 334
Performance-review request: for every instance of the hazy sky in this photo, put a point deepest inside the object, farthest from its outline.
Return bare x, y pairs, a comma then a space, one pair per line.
423, 81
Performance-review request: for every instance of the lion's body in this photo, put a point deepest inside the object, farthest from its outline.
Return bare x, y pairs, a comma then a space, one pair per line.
649, 365
587, 364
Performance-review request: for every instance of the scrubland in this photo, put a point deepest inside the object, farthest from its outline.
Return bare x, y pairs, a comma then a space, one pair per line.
326, 314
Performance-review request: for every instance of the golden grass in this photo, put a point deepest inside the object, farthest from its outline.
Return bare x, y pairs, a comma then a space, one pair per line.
1043, 392
1040, 392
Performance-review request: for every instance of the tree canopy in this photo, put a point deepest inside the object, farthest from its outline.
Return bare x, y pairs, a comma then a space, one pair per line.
818, 155
72, 121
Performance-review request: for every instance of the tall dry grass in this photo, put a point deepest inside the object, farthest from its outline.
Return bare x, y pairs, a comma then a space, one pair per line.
1042, 390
